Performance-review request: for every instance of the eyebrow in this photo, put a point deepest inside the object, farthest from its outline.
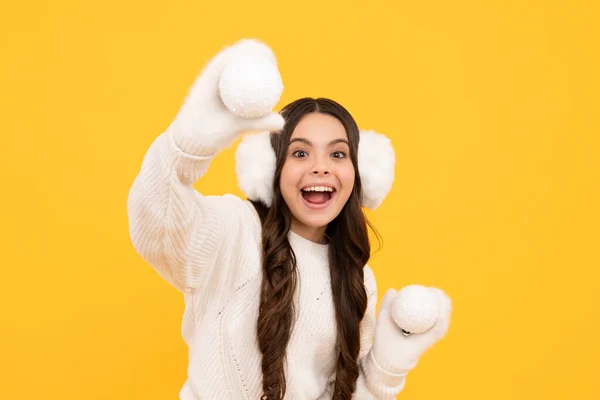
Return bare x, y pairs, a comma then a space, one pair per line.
307, 142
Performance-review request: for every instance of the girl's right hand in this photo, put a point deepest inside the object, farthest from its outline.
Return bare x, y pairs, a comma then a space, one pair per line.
203, 115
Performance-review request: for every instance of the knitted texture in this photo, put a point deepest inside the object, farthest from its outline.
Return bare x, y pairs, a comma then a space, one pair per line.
208, 247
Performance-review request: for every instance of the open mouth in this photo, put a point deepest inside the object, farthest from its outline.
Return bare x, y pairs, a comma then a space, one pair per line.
317, 197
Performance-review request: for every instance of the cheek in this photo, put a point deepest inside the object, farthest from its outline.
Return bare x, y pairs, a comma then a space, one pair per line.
288, 182
346, 176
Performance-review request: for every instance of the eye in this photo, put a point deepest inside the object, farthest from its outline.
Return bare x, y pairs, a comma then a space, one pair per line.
299, 154
339, 154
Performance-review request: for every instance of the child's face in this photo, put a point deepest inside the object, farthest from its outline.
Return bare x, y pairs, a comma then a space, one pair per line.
318, 175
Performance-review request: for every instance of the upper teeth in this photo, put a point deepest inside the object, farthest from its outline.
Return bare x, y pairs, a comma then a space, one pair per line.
318, 189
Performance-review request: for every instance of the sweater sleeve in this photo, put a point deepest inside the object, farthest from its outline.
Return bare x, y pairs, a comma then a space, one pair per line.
173, 227
374, 382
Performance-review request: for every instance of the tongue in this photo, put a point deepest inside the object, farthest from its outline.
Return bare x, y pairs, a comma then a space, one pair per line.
316, 197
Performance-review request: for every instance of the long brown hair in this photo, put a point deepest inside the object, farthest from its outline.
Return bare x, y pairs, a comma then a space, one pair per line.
349, 251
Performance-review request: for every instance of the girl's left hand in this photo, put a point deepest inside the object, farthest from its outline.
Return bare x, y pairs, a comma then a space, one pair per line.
397, 353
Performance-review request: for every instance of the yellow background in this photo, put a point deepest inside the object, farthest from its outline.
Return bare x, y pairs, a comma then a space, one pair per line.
493, 110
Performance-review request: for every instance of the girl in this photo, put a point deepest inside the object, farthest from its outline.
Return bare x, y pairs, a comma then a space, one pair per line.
279, 300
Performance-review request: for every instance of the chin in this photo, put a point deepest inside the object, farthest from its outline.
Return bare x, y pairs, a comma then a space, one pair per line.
315, 221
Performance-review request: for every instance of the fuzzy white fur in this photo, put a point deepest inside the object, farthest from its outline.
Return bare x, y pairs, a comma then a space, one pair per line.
376, 164
255, 167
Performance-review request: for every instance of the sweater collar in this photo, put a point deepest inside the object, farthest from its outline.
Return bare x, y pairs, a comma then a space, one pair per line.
317, 250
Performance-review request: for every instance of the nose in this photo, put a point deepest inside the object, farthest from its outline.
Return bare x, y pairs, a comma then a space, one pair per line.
320, 166
320, 172
320, 169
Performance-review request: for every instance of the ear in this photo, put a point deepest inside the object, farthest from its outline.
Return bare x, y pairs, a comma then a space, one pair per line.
255, 167
376, 163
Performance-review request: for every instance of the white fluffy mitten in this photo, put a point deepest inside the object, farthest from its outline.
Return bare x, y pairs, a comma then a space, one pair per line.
397, 353
204, 124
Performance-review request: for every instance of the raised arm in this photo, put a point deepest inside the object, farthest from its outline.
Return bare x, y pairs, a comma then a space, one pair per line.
172, 226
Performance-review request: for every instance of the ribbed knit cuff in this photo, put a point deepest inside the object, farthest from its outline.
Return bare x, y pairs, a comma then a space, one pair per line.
379, 377
191, 145
189, 166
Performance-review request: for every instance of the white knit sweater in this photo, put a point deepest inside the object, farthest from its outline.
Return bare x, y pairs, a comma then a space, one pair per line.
208, 247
